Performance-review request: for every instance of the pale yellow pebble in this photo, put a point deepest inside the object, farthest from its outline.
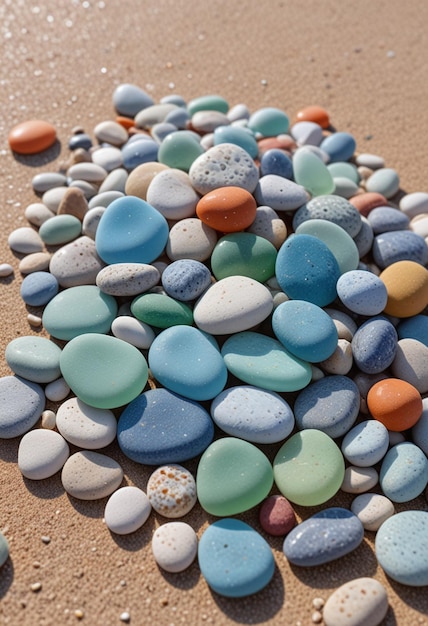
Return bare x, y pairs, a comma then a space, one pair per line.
36, 262
364, 172
79, 614
34, 320
318, 603
340, 362
36, 587
125, 617
48, 419
316, 617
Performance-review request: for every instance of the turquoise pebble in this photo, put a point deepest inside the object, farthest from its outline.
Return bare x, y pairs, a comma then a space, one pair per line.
305, 330
4, 549
307, 270
339, 146
60, 229
131, 231
384, 181
22, 403
249, 477
397, 482
399, 245
187, 361
129, 99
343, 169
210, 102
312, 173
78, 310
103, 371
179, 150
340, 244
402, 548
239, 136
235, 560
161, 311
374, 345
333, 209
262, 361
38, 288
269, 122
244, 254
34, 358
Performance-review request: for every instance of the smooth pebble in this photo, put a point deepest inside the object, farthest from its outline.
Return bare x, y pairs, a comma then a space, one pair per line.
41, 454
277, 516
358, 602
366, 443
127, 509
174, 546
85, 426
359, 479
89, 475
22, 404
127, 279
372, 509
397, 483
34, 358
131, 330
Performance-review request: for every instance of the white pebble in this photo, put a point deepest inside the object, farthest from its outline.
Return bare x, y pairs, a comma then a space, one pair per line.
86, 426
5, 270
34, 320
57, 390
133, 331
127, 509
42, 453
174, 546
48, 419
359, 602
372, 509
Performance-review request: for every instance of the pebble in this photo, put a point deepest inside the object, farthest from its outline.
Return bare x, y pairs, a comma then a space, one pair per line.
22, 404
223, 547
323, 537
306, 132
35, 262
103, 371
340, 146
172, 194
345, 325
60, 229
359, 479
413, 204
276, 161
73, 203
127, 509
34, 358
269, 225
161, 311
48, 419
344, 187
279, 193
243, 254
154, 114
174, 546
179, 150
311, 173
397, 482
415, 327
114, 181
411, 363
76, 263
186, 279
314, 113
343, 169
364, 382
25, 240
160, 427
108, 158
139, 179
89, 475
127, 279
372, 509
129, 99
31, 137
341, 361
171, 490
407, 286
396, 403
110, 132
41, 454
38, 288
365, 237
367, 159
252, 414
88, 172
235, 134
4, 549
309, 468
399, 245
277, 516
332, 208
385, 219
133, 331
227, 209
366, 443
269, 122
52, 198
191, 239
362, 292
249, 473
358, 602
85, 426
374, 345
37, 213
336, 239
385, 181
47, 180
401, 547
91, 220
80, 141
420, 429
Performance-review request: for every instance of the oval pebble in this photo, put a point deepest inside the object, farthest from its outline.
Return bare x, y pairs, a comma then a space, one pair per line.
89, 475
269, 225
5, 270
127, 279
22, 404
34, 358
41, 454
359, 602
336, 239
88, 172
186, 279
127, 509
402, 549
374, 345
399, 245
372, 509
311, 173
366, 443
110, 132
227, 209
359, 479
324, 537
57, 390
85, 426
269, 122
331, 208
47, 180
384, 219
243, 254
234, 134
160, 427
172, 194
411, 363
362, 292
223, 547
60, 229
415, 203
76, 263
396, 403
385, 180
276, 516
340, 146
31, 137
129, 99
252, 414
279, 193
25, 240
133, 331
191, 239
314, 113
171, 490
277, 162
38, 288
174, 546
153, 114
407, 286
397, 483
179, 150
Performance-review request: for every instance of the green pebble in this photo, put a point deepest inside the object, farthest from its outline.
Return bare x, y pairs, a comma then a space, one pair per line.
342, 169
178, 150
103, 371
384, 181
208, 103
244, 254
161, 311
269, 122
34, 358
233, 476
4, 549
309, 468
60, 229
312, 173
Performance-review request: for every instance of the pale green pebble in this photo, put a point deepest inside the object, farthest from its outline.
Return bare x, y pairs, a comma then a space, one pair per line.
60, 229
161, 311
269, 122
344, 187
208, 103
384, 181
178, 150
312, 173
309, 468
34, 358
342, 169
340, 244
4, 549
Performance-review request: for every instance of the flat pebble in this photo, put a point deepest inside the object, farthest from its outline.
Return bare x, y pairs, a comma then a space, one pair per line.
76, 263
153, 114
359, 479
279, 193
235, 134
397, 483
174, 546
110, 132
415, 203
359, 602
362, 292
52, 198
399, 245
42, 453
411, 363
85, 426
332, 208
34, 358
127, 509
374, 345
31, 137
73, 203
25, 240
372, 509
47, 180
186, 279
89, 475
323, 537
172, 194
22, 404
133, 331
402, 549
366, 443
191, 239
314, 113
88, 172
277, 516
114, 181
35, 262
223, 547
127, 279
336, 239
407, 286
396, 403
252, 414
171, 490
161, 427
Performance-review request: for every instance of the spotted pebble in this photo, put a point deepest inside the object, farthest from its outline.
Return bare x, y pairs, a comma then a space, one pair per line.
171, 490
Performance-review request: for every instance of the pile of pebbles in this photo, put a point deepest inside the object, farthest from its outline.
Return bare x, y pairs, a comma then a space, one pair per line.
216, 281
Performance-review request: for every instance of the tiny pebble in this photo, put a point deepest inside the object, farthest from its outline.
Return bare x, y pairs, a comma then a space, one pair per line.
48, 419
125, 617
5, 270
36, 587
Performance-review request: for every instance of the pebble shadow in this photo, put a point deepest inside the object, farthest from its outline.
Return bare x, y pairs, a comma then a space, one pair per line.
45, 489
415, 597
41, 158
137, 540
9, 450
183, 580
6, 578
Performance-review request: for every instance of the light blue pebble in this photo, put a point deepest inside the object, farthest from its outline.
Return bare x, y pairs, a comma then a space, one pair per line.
384, 219
324, 537
186, 279
343, 169
269, 122
398, 483
162, 130
129, 99
276, 162
399, 245
279, 193
240, 136
60, 229
22, 403
179, 117
235, 560
401, 547
385, 181
415, 327
174, 98
138, 152
339, 146
362, 292
366, 443
330, 404
364, 239
374, 345
34, 358
305, 330
38, 288
336, 238
332, 208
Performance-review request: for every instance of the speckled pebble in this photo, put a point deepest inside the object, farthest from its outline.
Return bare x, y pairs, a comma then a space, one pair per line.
42, 453
279, 193
333, 208
366, 443
399, 245
174, 546
191, 239
397, 483
336, 239
127, 509
186, 279
86, 426
76, 263
277, 516
374, 345
362, 292
359, 602
359, 479
372, 509
171, 490
89, 475
127, 279
172, 194
385, 219
269, 225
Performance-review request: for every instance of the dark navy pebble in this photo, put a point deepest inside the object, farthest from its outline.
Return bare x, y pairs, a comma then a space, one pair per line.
186, 279
374, 345
38, 288
399, 245
339, 146
80, 140
277, 162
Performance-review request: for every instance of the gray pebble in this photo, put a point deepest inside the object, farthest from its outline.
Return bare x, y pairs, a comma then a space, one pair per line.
114, 181
25, 240
22, 404
127, 279
91, 221
37, 213
279, 193
76, 263
48, 180
333, 208
89, 475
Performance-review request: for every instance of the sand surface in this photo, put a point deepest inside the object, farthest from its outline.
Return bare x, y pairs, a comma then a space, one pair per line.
366, 62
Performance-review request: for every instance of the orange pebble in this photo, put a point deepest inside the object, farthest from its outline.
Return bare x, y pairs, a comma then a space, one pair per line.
126, 122
314, 113
396, 403
366, 202
282, 142
406, 284
227, 209
32, 137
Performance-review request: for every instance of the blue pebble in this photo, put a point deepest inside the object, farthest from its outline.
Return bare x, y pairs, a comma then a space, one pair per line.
374, 345
80, 140
235, 560
138, 152
415, 327
399, 245
22, 403
160, 427
404, 472
129, 99
186, 279
38, 288
339, 146
401, 547
276, 162
179, 117
324, 537
366, 443
239, 136
362, 292
330, 404
384, 219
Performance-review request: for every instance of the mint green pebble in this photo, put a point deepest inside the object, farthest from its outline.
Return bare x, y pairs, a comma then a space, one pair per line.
34, 358
60, 229
244, 254
344, 187
385, 181
233, 476
161, 311
208, 103
269, 122
343, 169
309, 468
312, 173
4, 549
103, 371
262, 361
78, 310
179, 149
340, 244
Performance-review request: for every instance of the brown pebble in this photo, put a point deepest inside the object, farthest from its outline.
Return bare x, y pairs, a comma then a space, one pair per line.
73, 203
35, 262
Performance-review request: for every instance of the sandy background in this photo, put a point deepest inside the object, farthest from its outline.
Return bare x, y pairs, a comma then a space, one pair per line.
367, 63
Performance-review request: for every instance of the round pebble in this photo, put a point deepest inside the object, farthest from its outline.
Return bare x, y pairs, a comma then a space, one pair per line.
396, 403
127, 509
35, 358
227, 209
407, 286
374, 345
362, 292
38, 288
171, 490
186, 279
85, 426
397, 483
5, 270
358, 602
191, 239
89, 475
340, 146
31, 137
366, 443
243, 254
276, 516
41, 454
372, 509
76, 263
172, 194
174, 546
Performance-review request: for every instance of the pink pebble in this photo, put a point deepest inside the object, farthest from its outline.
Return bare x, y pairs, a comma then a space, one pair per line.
277, 516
